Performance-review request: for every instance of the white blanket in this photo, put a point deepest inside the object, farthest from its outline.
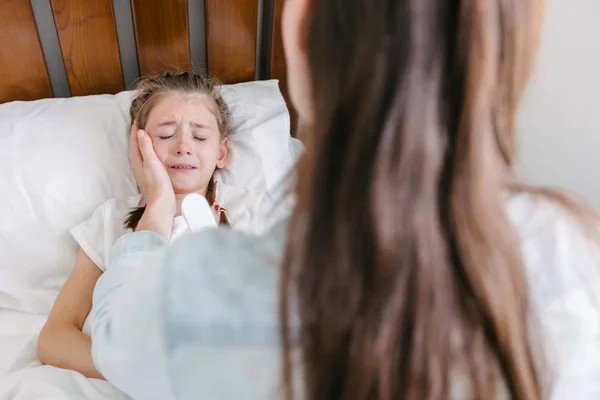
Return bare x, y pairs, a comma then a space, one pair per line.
24, 377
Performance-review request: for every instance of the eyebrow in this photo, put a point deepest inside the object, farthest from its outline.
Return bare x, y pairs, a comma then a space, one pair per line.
192, 124
199, 126
167, 123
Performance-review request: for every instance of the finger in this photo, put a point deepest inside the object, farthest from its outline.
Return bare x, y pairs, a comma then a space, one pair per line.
134, 148
146, 147
133, 132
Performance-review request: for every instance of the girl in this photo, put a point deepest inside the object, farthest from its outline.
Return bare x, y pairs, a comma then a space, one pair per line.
412, 268
186, 118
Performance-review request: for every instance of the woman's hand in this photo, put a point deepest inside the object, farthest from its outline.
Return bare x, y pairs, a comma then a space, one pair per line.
154, 182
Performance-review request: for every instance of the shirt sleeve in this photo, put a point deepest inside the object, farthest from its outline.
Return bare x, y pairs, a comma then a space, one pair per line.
564, 275
97, 235
90, 236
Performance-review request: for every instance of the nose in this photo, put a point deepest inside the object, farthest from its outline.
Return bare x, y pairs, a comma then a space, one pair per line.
183, 146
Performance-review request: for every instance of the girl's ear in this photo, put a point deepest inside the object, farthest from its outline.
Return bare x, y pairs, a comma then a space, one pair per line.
223, 153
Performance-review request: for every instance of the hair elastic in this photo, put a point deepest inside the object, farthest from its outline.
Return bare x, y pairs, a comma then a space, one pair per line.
218, 208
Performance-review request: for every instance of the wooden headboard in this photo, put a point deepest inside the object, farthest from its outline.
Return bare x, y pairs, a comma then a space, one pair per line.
235, 40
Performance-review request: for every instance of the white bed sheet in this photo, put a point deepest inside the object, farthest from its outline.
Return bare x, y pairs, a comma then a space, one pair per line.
24, 377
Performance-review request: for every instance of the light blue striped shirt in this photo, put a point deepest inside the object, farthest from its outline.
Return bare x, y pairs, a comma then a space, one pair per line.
195, 320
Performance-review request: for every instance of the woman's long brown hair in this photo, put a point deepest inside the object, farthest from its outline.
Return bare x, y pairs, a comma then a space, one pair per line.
402, 263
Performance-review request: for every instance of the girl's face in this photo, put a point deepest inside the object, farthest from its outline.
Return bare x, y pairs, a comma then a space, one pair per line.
186, 139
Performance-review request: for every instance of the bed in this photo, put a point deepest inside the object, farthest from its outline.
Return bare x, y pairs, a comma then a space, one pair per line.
66, 71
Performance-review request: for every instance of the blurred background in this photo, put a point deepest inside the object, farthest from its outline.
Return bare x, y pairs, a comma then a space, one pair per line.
559, 120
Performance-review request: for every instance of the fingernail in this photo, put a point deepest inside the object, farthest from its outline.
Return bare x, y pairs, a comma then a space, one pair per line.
140, 133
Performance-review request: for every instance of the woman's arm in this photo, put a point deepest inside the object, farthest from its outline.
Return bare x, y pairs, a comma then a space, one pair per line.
61, 342
198, 319
128, 342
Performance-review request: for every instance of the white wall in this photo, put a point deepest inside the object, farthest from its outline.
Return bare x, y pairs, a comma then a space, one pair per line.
559, 122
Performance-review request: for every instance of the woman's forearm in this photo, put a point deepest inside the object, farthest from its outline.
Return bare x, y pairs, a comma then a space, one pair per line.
69, 348
127, 340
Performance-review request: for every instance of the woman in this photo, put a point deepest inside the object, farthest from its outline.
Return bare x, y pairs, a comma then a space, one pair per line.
412, 268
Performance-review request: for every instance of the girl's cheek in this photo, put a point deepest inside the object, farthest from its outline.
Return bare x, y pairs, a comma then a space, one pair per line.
202, 151
160, 150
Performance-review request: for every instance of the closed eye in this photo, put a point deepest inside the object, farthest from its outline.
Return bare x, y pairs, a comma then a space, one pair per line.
165, 137
199, 138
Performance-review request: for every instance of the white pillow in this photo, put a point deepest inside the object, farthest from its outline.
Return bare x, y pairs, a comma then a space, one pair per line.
61, 158
261, 148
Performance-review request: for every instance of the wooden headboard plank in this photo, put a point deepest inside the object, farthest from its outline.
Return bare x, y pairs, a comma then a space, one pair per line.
231, 39
278, 65
23, 73
88, 42
234, 39
161, 33
278, 70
